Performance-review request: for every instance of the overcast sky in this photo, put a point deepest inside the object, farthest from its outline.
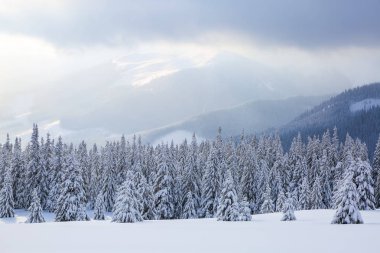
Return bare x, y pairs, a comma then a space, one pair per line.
57, 48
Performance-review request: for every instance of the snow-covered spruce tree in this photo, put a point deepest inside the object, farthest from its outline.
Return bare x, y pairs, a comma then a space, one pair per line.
33, 168
189, 210
281, 199
6, 196
72, 200
145, 193
376, 172
57, 176
127, 207
267, 206
46, 153
316, 195
163, 192
211, 185
35, 209
245, 211
5, 159
18, 175
228, 208
288, 210
99, 208
348, 211
304, 197
364, 184
191, 183
109, 177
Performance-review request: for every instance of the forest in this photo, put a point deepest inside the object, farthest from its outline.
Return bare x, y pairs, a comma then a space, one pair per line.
222, 178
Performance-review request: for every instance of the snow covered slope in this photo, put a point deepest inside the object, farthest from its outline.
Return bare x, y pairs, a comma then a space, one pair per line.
311, 232
365, 104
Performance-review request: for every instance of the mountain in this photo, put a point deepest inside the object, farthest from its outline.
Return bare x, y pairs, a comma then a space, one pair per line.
253, 117
355, 111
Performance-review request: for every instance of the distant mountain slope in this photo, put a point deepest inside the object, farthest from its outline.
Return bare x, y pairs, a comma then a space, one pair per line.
356, 111
254, 117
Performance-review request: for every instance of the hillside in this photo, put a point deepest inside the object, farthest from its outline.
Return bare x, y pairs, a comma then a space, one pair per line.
253, 117
355, 111
265, 233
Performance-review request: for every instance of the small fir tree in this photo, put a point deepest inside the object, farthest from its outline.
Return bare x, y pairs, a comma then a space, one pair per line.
100, 207
6, 197
228, 208
127, 208
267, 206
35, 209
347, 199
245, 211
288, 210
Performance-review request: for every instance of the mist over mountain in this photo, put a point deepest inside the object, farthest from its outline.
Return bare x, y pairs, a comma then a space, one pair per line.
252, 117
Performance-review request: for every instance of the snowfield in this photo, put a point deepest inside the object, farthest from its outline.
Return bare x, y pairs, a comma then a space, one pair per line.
311, 232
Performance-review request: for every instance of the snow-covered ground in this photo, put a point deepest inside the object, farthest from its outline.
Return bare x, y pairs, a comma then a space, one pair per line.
312, 232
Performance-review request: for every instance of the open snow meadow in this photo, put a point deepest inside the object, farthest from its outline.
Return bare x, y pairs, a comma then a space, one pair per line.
311, 232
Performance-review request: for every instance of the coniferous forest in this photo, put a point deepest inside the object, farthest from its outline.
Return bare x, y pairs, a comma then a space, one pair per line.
221, 178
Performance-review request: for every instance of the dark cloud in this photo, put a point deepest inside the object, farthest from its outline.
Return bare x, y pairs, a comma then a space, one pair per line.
301, 23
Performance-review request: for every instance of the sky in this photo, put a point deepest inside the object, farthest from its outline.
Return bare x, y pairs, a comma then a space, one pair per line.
96, 69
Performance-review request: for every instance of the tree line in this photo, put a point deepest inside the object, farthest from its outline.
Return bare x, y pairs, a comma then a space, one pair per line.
221, 178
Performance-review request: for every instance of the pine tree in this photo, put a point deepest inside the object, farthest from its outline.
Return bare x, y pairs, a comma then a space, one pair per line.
72, 200
316, 195
376, 172
245, 211
34, 174
18, 175
211, 185
348, 211
109, 180
281, 199
57, 176
126, 209
145, 193
189, 210
364, 184
228, 208
99, 208
163, 192
35, 209
304, 199
6, 196
267, 206
288, 210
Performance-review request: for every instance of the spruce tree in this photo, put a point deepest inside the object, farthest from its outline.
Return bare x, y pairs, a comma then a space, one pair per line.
99, 208
6, 196
163, 191
34, 173
281, 199
189, 210
211, 185
347, 199
35, 209
245, 211
364, 184
72, 200
228, 208
304, 199
376, 172
127, 207
288, 210
267, 206
316, 195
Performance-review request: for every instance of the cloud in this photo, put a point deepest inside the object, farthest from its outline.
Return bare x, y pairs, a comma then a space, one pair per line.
300, 23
